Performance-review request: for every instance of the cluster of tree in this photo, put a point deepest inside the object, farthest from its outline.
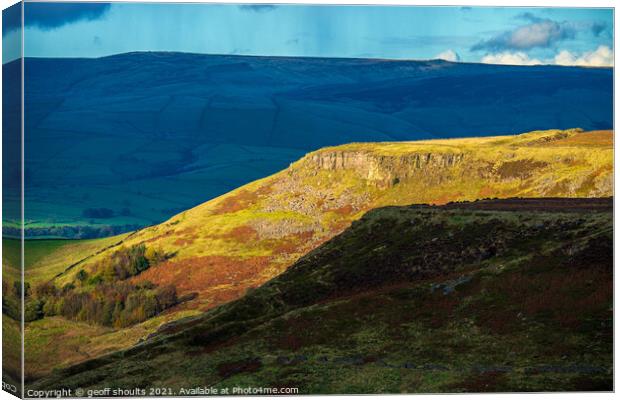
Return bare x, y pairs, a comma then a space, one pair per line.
118, 305
102, 296
16, 288
122, 264
11, 302
12, 299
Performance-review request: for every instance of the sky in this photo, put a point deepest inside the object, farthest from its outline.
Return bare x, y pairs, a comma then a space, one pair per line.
498, 35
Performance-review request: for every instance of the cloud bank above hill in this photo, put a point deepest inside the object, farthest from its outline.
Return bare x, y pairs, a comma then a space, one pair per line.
603, 56
537, 40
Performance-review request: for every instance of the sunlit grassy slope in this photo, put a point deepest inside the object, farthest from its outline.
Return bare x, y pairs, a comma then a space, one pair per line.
240, 240
45, 259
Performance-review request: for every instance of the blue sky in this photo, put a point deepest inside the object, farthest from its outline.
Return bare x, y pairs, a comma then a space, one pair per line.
569, 36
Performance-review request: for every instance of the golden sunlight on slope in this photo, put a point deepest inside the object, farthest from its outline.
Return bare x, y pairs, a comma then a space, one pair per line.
248, 236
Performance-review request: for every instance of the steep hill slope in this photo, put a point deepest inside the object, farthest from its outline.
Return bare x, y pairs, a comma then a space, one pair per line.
216, 252
250, 235
499, 295
147, 135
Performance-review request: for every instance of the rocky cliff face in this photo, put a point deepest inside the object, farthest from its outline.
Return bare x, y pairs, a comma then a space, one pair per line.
384, 170
567, 163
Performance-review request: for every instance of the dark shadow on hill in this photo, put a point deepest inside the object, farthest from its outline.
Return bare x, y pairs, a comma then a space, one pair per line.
496, 295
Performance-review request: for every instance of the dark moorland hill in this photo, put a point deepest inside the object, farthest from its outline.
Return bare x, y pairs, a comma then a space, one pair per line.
498, 295
118, 142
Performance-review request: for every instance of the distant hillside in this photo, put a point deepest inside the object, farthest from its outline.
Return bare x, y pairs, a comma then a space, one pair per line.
501, 295
120, 142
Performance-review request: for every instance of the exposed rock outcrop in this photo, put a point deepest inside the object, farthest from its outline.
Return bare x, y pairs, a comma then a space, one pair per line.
384, 169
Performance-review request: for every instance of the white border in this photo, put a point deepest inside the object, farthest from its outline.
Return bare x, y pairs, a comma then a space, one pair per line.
483, 3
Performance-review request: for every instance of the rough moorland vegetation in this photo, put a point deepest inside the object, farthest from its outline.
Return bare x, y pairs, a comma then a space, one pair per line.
490, 296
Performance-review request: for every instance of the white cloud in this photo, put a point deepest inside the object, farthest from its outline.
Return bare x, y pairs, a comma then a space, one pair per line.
448, 55
539, 33
603, 56
506, 57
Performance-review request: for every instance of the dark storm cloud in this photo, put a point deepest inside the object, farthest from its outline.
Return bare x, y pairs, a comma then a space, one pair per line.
48, 16
258, 7
11, 18
598, 28
528, 16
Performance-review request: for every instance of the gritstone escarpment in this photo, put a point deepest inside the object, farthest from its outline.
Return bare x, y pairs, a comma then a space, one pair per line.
383, 169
